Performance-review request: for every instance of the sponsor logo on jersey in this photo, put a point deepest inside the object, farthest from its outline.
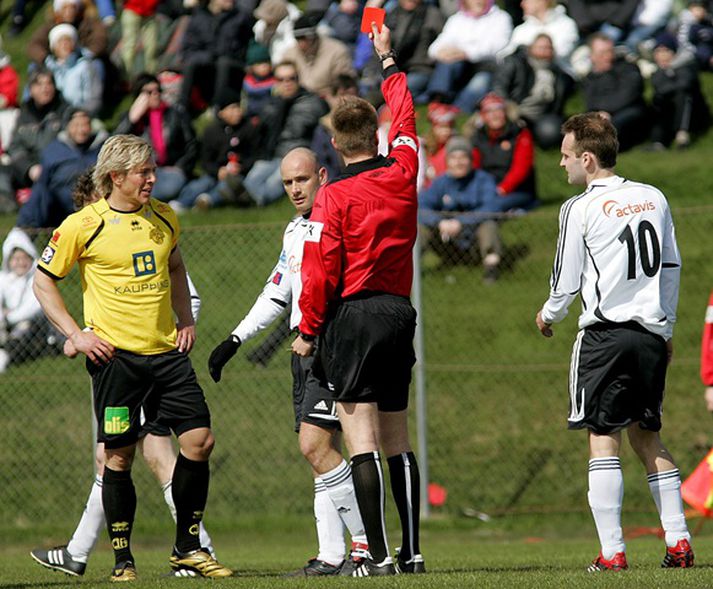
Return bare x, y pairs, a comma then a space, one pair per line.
277, 278
283, 257
144, 287
47, 255
116, 420
55, 237
156, 235
314, 231
144, 263
612, 208
401, 140
135, 225
294, 266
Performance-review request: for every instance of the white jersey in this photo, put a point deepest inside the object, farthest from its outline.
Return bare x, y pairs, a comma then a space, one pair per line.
283, 287
617, 249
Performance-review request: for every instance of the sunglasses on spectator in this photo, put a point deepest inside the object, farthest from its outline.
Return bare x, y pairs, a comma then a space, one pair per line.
286, 79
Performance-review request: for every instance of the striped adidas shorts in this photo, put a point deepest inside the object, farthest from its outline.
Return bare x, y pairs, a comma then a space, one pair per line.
312, 402
617, 377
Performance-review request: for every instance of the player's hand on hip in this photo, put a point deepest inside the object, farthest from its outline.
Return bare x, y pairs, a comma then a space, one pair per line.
185, 338
92, 346
69, 349
219, 357
302, 347
708, 396
545, 328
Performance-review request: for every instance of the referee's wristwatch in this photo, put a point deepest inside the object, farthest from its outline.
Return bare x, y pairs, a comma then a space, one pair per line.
391, 53
307, 337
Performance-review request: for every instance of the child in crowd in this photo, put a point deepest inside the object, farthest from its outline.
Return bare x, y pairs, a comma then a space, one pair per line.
258, 81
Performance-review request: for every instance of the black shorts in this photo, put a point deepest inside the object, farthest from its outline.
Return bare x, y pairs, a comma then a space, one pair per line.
366, 352
164, 385
155, 427
313, 403
617, 377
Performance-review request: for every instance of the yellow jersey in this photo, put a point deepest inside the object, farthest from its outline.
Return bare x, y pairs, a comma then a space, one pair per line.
123, 264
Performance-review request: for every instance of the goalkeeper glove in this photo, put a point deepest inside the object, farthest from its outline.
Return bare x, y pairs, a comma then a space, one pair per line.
219, 357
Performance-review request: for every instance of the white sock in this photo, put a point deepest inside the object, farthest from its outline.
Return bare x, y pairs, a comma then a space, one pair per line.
204, 537
90, 526
606, 494
340, 487
666, 490
330, 529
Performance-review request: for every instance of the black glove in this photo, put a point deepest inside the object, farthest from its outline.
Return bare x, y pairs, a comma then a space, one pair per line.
219, 357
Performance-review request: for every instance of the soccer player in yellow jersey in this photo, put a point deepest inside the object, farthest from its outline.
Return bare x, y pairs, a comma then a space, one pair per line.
134, 280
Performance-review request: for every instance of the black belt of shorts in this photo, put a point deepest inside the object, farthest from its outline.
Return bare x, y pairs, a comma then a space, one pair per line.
368, 294
606, 325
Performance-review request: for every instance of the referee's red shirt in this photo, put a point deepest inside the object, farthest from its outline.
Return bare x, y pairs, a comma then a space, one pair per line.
363, 223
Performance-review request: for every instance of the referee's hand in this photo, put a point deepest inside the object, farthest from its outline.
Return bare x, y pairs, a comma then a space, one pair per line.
219, 357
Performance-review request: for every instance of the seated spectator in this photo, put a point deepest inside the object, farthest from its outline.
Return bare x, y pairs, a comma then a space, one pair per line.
228, 148
214, 48
679, 107
63, 161
322, 146
275, 19
531, 79
442, 118
549, 18
38, 123
25, 333
342, 22
454, 213
259, 81
168, 129
503, 147
615, 88
414, 25
465, 53
289, 119
611, 17
695, 32
319, 60
91, 33
75, 75
650, 19
138, 21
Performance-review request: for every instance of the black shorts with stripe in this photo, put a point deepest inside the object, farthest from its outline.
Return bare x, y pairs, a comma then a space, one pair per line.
163, 385
617, 377
366, 353
313, 403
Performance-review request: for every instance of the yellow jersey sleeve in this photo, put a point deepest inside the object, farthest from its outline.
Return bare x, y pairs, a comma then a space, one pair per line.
169, 217
68, 242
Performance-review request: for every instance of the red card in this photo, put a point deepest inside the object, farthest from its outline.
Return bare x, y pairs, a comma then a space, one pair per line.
372, 14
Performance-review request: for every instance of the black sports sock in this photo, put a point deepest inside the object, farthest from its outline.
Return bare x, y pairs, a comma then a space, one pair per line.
190, 493
405, 487
370, 492
119, 499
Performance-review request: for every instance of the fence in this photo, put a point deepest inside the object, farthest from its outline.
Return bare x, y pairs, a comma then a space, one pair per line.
496, 391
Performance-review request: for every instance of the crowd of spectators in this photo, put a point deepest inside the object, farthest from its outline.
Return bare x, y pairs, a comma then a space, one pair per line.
260, 77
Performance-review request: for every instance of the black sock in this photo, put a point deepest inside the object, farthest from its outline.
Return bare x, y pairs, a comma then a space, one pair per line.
370, 493
190, 493
119, 499
405, 487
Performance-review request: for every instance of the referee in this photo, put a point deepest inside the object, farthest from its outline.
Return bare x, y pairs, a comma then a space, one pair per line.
357, 272
617, 250
134, 280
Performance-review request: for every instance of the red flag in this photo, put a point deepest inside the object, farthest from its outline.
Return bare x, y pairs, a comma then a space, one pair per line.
696, 489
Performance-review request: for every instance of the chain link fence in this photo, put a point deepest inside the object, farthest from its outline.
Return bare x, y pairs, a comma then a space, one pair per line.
495, 390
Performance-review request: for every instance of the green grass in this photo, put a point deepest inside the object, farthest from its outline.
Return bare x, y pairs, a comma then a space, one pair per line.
515, 552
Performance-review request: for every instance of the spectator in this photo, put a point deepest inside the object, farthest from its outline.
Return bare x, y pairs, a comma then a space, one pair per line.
454, 211
25, 333
342, 22
504, 148
274, 26
442, 119
465, 53
168, 129
228, 148
650, 18
679, 108
259, 81
532, 80
138, 20
9, 83
214, 48
695, 32
322, 146
611, 17
319, 60
63, 161
414, 25
550, 18
75, 75
37, 125
289, 119
91, 32
615, 88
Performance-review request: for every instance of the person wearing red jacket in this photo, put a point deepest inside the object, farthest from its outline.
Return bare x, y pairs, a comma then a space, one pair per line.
707, 355
356, 275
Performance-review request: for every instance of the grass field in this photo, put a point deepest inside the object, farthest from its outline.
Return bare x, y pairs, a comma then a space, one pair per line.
527, 552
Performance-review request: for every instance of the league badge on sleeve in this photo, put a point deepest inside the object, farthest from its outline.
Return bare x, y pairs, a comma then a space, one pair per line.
47, 255
277, 278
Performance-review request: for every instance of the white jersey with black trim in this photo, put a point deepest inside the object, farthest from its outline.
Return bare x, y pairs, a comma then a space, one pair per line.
617, 249
282, 288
